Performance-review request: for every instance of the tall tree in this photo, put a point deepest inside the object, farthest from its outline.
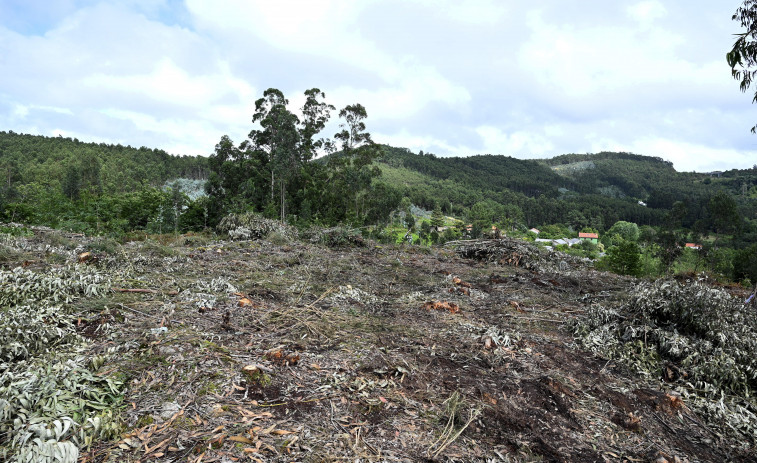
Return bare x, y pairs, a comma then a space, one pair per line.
352, 169
315, 114
724, 213
279, 138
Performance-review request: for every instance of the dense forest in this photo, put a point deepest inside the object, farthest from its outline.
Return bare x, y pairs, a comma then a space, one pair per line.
287, 170
90, 187
591, 190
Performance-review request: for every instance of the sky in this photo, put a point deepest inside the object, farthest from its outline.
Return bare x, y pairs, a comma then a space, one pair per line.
454, 78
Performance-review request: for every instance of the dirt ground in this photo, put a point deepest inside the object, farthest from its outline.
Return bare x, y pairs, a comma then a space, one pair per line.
292, 351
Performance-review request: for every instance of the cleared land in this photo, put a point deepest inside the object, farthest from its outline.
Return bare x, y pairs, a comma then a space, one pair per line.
286, 350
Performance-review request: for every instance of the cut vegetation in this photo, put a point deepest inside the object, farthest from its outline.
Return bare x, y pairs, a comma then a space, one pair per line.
326, 348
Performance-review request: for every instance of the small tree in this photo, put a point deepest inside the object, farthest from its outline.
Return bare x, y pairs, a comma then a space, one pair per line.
629, 231
437, 218
625, 258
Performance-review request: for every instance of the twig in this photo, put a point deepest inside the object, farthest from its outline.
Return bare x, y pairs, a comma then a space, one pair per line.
539, 319
473, 415
136, 311
134, 290
147, 314
664, 423
706, 428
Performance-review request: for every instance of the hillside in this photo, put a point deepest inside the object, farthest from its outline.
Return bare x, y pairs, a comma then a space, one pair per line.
601, 188
101, 188
52, 161
285, 349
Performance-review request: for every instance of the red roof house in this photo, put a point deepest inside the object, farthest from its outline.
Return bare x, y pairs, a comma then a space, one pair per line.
593, 237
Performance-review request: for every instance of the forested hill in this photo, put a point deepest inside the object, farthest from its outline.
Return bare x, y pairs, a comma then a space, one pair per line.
592, 190
69, 164
54, 181
96, 188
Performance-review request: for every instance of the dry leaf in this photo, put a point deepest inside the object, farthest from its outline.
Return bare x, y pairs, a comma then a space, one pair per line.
442, 305
242, 439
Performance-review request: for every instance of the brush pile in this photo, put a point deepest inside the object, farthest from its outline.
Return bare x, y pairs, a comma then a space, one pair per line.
249, 226
699, 339
516, 253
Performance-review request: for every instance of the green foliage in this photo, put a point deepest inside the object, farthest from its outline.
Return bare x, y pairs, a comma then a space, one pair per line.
555, 231
626, 230
745, 264
61, 285
724, 213
483, 214
274, 171
52, 402
335, 237
668, 246
437, 218
743, 55
97, 168
625, 258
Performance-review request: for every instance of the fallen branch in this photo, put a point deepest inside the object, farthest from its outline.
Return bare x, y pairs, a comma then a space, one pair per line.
134, 290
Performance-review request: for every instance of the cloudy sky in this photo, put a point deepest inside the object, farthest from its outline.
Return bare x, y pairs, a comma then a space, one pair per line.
456, 78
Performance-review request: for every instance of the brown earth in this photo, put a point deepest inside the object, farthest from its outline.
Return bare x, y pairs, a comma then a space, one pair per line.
346, 361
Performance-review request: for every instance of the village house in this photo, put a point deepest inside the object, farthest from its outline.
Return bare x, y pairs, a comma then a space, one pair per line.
694, 246
593, 237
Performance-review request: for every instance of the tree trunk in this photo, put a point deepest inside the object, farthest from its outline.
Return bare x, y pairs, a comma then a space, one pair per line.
283, 202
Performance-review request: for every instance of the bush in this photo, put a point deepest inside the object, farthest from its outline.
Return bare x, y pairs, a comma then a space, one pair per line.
624, 258
745, 264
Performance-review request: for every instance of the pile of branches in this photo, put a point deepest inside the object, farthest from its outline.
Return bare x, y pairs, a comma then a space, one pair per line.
699, 339
53, 399
514, 252
335, 236
250, 226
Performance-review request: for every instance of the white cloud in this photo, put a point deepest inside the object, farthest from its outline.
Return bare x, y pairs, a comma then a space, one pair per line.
647, 11
416, 143
469, 11
331, 29
687, 157
180, 135
422, 86
171, 84
524, 143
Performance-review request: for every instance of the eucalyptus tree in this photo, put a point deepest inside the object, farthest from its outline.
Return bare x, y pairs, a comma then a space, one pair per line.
279, 138
743, 55
352, 168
